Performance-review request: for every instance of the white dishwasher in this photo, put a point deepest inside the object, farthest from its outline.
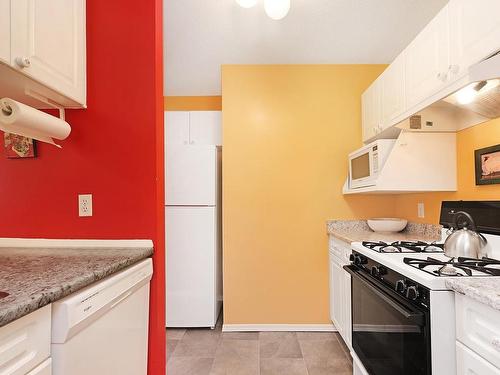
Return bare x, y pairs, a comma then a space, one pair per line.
103, 328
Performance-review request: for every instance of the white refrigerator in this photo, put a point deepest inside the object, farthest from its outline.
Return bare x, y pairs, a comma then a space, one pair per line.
193, 235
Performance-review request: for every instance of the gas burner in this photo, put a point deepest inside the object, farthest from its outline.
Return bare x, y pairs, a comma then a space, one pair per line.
404, 247
448, 270
457, 267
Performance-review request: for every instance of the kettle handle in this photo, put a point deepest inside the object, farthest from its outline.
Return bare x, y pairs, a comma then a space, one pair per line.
467, 222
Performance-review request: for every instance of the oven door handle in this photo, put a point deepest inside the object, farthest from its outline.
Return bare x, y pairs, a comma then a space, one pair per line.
416, 317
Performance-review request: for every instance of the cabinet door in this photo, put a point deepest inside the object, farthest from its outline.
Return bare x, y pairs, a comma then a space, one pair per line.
370, 102
205, 128
5, 31
427, 60
336, 294
25, 342
393, 91
176, 127
475, 32
48, 44
347, 309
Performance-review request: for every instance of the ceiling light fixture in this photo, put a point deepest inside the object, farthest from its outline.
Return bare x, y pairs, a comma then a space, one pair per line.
277, 9
247, 3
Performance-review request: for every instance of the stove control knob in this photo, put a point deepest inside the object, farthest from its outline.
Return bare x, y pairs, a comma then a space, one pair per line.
358, 259
412, 293
362, 259
378, 271
400, 286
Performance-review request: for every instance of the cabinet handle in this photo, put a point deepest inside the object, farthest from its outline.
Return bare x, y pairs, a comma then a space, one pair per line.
454, 69
23, 62
496, 343
192, 142
442, 77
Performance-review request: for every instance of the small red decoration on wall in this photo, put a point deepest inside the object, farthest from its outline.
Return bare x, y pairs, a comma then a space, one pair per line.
17, 146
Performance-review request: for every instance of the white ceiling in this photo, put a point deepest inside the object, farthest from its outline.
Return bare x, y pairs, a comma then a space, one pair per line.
201, 35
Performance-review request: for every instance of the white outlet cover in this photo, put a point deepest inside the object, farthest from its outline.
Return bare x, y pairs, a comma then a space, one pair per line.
84, 205
421, 210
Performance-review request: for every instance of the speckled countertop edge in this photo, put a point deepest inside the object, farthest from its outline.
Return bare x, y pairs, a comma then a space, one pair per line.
482, 289
358, 230
35, 278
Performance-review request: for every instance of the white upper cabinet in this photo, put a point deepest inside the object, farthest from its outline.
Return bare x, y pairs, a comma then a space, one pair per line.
193, 128
427, 60
205, 128
475, 32
462, 34
371, 111
393, 91
5, 31
48, 44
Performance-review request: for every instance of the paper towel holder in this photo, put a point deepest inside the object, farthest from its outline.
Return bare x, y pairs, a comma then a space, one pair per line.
43, 99
6, 108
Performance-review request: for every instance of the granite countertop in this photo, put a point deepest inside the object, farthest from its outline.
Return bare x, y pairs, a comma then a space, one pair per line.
482, 289
35, 277
358, 230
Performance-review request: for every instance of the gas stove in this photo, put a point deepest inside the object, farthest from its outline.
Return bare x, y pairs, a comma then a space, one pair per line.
403, 319
404, 247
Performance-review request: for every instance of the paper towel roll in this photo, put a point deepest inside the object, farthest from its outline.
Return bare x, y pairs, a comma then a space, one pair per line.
18, 118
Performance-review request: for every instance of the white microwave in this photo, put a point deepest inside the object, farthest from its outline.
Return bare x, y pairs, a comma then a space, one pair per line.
366, 163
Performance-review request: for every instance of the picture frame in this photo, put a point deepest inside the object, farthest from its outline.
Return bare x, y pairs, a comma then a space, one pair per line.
487, 162
19, 147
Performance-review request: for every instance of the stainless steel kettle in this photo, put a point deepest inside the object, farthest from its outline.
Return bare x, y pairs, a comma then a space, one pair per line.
464, 241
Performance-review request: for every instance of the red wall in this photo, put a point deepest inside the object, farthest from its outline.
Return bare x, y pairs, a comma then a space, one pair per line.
115, 151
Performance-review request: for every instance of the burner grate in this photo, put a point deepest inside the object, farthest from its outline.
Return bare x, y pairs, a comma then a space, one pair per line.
404, 247
456, 267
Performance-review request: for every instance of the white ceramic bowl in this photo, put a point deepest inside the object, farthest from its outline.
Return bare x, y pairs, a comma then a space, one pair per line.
387, 224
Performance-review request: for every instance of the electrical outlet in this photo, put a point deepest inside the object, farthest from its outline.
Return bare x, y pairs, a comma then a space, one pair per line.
421, 210
84, 205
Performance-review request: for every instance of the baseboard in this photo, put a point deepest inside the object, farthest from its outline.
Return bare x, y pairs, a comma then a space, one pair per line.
278, 328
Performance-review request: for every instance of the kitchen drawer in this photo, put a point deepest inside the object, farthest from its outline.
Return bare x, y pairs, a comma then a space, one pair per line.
478, 327
469, 363
340, 249
44, 369
25, 343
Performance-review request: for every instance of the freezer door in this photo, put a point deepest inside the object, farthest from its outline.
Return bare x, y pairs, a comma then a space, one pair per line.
191, 175
191, 248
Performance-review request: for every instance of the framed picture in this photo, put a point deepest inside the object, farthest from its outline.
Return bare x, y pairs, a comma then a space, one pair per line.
488, 165
17, 146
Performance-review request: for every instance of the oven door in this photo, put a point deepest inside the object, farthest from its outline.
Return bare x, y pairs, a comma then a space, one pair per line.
390, 335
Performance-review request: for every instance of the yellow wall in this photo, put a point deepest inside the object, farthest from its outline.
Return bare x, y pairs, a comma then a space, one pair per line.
287, 130
192, 103
468, 140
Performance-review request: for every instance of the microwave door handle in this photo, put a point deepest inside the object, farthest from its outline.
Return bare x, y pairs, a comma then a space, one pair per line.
418, 318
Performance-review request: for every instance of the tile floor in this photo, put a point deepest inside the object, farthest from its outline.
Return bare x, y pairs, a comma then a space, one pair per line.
212, 352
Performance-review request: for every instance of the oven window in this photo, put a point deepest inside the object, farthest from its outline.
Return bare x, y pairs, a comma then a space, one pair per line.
387, 342
360, 166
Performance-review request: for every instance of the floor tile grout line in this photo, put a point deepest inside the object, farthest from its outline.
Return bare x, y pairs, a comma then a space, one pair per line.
302, 354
